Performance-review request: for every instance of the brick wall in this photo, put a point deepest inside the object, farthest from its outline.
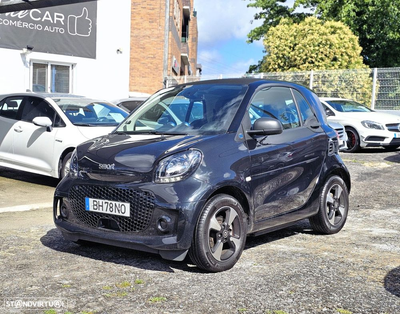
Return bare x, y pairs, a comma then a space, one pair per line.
147, 46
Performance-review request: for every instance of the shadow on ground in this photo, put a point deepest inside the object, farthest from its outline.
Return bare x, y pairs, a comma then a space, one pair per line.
392, 282
28, 177
148, 261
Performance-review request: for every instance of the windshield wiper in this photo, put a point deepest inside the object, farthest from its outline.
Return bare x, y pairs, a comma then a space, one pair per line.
83, 124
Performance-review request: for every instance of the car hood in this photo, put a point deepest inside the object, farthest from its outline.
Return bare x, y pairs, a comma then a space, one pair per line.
372, 116
90, 132
132, 155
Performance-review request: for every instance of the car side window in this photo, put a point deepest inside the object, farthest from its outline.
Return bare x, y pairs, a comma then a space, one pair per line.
305, 109
36, 107
9, 107
275, 102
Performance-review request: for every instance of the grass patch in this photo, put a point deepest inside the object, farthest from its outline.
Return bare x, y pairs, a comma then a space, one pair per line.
157, 299
139, 282
124, 284
343, 311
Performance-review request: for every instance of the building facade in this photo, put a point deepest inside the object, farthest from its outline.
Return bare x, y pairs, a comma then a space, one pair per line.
98, 48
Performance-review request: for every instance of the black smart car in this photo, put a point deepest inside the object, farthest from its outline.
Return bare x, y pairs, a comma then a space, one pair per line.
200, 166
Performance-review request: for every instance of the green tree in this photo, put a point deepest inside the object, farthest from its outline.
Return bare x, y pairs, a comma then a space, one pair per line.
310, 45
316, 45
375, 22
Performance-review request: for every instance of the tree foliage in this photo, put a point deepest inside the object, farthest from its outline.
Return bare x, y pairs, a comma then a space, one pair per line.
316, 45
375, 22
310, 45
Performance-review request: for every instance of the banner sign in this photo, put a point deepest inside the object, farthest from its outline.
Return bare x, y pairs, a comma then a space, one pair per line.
66, 29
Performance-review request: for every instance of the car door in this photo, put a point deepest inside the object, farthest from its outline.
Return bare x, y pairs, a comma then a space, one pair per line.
33, 145
8, 118
284, 167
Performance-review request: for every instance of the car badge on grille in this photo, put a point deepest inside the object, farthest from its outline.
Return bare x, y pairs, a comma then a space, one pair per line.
107, 166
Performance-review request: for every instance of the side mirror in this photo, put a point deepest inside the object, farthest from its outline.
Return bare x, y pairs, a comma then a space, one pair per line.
43, 121
329, 112
266, 126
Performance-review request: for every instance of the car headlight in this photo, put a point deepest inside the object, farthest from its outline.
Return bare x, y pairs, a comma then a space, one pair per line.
372, 125
178, 167
73, 167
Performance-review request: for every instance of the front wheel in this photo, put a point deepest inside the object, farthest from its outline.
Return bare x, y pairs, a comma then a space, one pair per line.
220, 234
353, 140
64, 171
333, 207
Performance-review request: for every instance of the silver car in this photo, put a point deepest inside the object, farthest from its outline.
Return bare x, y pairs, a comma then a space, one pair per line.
38, 132
341, 133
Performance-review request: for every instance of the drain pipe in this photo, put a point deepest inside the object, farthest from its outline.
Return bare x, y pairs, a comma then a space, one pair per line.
166, 43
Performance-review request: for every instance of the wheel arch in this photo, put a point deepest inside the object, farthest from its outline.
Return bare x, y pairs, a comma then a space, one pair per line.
343, 174
237, 194
60, 160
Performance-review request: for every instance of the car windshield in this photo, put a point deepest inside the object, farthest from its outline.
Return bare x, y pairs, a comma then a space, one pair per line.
189, 109
348, 106
89, 112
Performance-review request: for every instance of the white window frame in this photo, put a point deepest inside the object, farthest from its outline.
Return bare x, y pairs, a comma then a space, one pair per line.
49, 64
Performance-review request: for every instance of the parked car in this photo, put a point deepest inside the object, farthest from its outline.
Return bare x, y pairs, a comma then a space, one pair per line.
364, 127
130, 104
38, 132
341, 133
200, 166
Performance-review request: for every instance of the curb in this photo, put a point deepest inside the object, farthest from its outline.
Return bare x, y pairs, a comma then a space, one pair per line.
21, 208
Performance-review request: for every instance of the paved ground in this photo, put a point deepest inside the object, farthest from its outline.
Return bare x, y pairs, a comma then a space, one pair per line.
293, 271
22, 191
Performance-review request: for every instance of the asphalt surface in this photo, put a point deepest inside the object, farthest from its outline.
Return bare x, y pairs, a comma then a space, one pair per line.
292, 271
21, 191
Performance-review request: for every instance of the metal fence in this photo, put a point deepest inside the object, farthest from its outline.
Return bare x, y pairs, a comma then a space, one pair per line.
378, 88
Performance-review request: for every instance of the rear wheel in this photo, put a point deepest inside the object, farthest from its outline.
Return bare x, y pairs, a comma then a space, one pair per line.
353, 140
333, 207
220, 234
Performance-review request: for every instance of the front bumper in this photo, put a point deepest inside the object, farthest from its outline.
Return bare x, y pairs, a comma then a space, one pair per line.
380, 139
154, 225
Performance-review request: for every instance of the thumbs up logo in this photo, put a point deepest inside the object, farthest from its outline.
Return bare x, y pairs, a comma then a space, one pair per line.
80, 25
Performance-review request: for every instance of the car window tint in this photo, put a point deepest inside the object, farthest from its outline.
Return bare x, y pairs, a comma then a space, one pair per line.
275, 102
36, 107
9, 107
305, 109
200, 109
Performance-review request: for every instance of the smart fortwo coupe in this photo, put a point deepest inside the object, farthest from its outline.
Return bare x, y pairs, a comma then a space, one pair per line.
200, 166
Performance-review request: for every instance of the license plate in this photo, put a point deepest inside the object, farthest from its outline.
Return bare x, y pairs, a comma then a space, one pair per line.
396, 135
107, 207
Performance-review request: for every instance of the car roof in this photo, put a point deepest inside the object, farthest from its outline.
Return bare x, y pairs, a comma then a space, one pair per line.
334, 98
242, 81
42, 95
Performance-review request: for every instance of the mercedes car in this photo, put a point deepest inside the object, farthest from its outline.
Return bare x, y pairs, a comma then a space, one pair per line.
364, 127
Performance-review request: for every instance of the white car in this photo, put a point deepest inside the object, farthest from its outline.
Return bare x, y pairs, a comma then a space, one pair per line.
38, 132
341, 134
364, 127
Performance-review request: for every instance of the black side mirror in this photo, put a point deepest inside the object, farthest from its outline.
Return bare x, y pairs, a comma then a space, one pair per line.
329, 112
266, 126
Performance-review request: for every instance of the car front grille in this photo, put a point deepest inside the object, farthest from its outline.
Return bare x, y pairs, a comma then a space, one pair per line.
393, 127
141, 205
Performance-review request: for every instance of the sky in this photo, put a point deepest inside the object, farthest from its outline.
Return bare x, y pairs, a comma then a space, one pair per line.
223, 26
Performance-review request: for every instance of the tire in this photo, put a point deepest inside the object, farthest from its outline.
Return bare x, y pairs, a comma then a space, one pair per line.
353, 141
65, 165
220, 234
333, 207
